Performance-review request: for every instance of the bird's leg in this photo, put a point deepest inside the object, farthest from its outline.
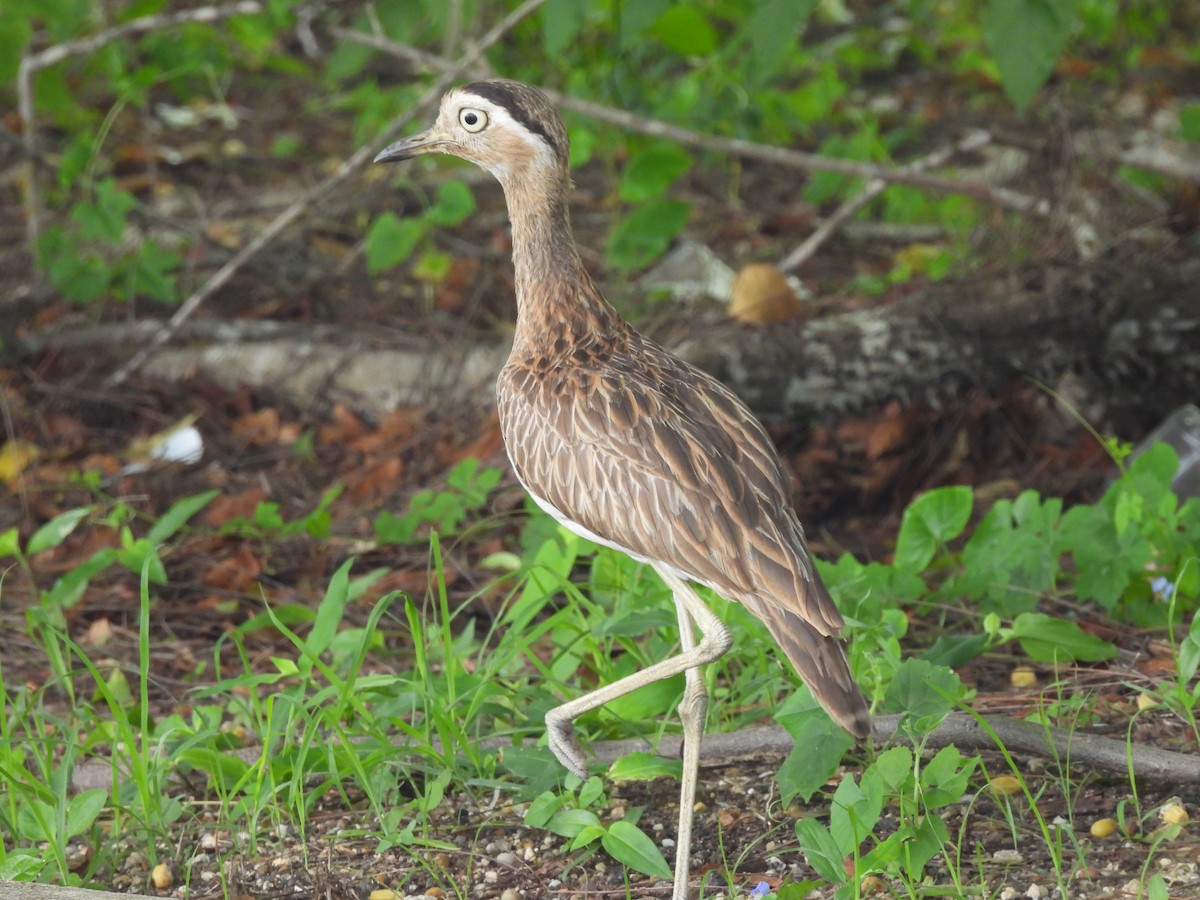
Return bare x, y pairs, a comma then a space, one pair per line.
693, 711
714, 641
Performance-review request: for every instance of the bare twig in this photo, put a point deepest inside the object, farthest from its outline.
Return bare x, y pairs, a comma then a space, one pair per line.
872, 189
34, 63
351, 165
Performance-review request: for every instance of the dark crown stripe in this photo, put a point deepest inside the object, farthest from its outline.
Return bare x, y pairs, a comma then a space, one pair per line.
519, 100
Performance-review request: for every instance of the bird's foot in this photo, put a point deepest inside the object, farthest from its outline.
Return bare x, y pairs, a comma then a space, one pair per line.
561, 736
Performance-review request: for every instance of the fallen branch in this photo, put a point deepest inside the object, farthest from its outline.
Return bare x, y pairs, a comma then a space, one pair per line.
1072, 748
351, 165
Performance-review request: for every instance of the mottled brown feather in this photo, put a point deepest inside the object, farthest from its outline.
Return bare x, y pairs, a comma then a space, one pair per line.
628, 443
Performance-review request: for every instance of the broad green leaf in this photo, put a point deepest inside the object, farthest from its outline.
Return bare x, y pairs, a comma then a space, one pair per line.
929, 522
891, 769
1189, 651
686, 30
35, 820
562, 21
589, 834
652, 170
646, 233
454, 203
819, 744
919, 690
391, 240
1047, 639
10, 543
853, 815
944, 778
55, 531
84, 810
1026, 38
821, 850
542, 809
1189, 122
628, 844
569, 822
643, 766
773, 29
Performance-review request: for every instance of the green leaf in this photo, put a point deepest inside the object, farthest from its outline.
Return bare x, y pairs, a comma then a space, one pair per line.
10, 543
773, 29
83, 811
686, 30
931, 521
55, 531
562, 20
643, 766
853, 815
454, 203
818, 745
944, 778
174, 518
1047, 639
924, 693
391, 240
821, 850
646, 233
330, 610
1189, 122
542, 809
629, 845
569, 822
651, 171
1026, 38
104, 220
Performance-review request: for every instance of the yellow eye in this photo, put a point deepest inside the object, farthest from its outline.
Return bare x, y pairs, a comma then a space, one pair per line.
473, 120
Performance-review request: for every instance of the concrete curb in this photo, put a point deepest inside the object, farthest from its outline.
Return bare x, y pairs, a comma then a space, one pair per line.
24, 890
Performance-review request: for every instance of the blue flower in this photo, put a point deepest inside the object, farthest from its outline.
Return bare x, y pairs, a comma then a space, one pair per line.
1162, 587
760, 890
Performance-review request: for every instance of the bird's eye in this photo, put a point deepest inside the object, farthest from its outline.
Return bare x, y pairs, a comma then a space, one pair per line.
473, 120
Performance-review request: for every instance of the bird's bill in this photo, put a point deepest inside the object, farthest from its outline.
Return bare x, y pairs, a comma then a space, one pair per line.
426, 141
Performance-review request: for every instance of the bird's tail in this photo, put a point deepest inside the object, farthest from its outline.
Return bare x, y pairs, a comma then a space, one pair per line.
821, 661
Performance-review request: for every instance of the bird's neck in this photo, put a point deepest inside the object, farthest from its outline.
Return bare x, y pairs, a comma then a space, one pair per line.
557, 301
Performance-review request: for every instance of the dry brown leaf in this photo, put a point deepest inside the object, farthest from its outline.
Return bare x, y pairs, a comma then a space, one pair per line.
345, 428
236, 572
98, 634
379, 478
241, 505
259, 428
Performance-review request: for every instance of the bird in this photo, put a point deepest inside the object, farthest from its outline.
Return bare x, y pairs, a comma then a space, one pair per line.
634, 449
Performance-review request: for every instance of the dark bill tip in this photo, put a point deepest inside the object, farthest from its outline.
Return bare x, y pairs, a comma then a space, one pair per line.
407, 148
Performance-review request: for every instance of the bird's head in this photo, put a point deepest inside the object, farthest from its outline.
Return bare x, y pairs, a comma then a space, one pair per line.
506, 127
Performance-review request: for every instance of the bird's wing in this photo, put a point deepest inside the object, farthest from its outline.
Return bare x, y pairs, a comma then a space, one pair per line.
661, 460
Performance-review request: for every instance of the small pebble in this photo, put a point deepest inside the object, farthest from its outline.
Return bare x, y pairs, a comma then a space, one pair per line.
161, 876
510, 894
1102, 828
668, 842
1006, 785
1008, 857
1023, 677
491, 876
1036, 892
506, 858
1174, 814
